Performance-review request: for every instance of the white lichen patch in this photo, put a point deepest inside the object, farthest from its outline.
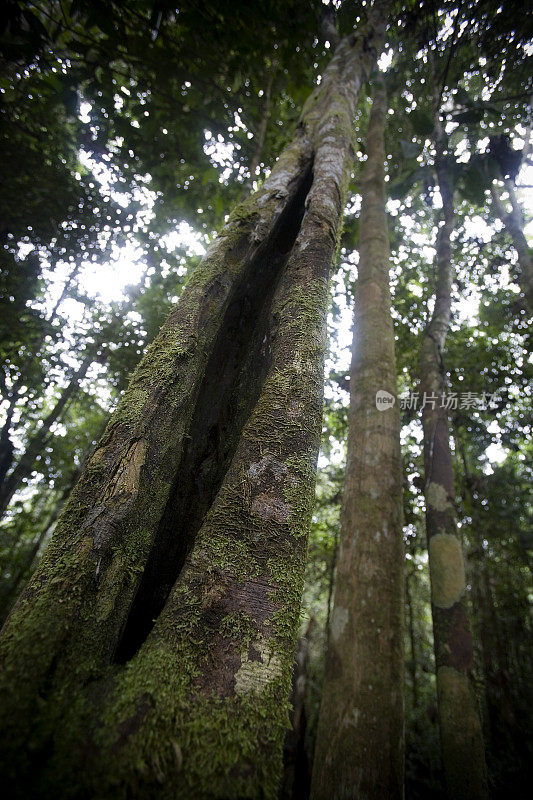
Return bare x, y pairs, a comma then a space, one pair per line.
339, 620
256, 672
437, 497
268, 464
447, 570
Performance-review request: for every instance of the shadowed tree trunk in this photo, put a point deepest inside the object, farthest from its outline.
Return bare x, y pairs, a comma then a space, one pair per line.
460, 730
360, 749
151, 653
412, 640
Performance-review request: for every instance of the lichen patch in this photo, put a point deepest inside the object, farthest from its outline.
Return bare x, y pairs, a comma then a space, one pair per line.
447, 568
259, 666
437, 497
339, 620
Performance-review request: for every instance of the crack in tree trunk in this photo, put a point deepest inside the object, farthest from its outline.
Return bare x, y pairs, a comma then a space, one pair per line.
231, 386
216, 664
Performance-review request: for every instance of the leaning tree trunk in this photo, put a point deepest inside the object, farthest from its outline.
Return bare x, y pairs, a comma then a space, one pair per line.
26, 462
460, 730
7, 451
11, 483
360, 748
152, 651
513, 221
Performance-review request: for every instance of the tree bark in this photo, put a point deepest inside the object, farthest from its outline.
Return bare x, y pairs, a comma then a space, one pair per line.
460, 730
360, 746
152, 651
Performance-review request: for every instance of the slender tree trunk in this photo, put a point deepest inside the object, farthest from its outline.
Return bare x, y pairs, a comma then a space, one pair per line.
412, 641
6, 446
360, 745
152, 651
296, 768
26, 462
260, 134
513, 221
460, 730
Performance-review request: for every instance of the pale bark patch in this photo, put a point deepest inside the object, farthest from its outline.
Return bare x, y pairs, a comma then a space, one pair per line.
437, 497
126, 478
277, 468
339, 620
448, 580
255, 673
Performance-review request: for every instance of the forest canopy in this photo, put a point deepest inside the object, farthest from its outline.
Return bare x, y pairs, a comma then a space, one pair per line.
266, 288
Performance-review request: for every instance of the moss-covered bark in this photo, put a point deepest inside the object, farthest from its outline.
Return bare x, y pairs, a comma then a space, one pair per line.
460, 730
359, 750
151, 654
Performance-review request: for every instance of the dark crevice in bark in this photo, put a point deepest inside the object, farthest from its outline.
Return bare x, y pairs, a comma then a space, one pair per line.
234, 376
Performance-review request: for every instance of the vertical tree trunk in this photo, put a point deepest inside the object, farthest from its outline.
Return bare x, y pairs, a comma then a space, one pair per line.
152, 651
460, 729
412, 641
360, 747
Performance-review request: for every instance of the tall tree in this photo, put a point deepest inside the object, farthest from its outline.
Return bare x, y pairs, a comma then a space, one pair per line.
460, 729
359, 750
163, 616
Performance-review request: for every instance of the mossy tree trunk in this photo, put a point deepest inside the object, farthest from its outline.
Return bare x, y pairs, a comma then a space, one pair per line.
360, 745
151, 653
460, 730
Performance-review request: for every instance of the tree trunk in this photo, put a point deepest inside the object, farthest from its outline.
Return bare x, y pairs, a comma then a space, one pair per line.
412, 640
260, 133
460, 730
26, 462
360, 748
514, 224
6, 446
152, 651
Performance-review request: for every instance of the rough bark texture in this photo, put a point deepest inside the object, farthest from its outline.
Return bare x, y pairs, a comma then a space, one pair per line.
151, 654
460, 730
514, 224
360, 744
